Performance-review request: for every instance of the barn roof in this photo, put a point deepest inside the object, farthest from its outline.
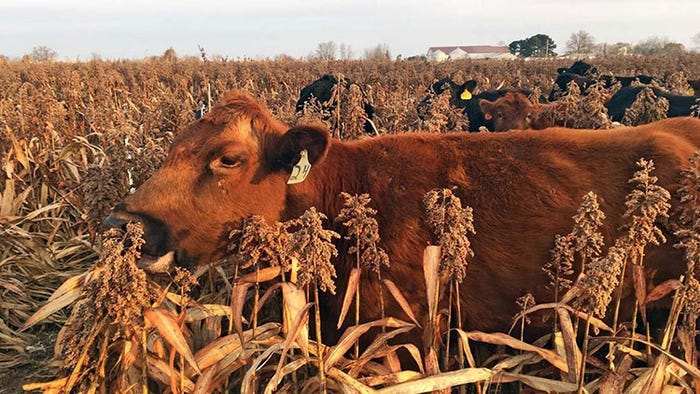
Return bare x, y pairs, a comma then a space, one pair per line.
472, 49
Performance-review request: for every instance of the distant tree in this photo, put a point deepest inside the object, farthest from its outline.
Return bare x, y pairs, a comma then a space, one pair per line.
43, 53
651, 46
516, 47
539, 45
4, 58
696, 39
673, 48
580, 42
600, 49
380, 52
326, 50
283, 57
346, 52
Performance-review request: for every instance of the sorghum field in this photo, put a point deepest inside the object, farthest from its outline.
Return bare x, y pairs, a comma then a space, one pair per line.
77, 315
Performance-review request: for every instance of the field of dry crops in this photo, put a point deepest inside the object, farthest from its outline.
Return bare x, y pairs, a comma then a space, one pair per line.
76, 137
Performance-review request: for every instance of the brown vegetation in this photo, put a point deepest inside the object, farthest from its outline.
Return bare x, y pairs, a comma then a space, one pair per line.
75, 138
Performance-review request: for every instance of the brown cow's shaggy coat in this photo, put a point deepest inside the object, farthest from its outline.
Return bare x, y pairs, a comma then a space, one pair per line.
524, 187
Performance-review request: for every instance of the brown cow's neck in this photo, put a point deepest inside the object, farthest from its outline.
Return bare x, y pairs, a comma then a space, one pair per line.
337, 172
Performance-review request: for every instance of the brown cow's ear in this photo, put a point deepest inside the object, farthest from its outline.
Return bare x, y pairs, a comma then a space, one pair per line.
315, 140
487, 108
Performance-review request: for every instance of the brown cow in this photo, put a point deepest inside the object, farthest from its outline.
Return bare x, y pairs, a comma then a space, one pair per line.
513, 111
524, 187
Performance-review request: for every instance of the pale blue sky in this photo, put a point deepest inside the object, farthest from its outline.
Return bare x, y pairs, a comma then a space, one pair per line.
264, 28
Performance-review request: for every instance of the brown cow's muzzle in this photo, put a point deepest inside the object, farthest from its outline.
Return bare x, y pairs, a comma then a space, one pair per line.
156, 254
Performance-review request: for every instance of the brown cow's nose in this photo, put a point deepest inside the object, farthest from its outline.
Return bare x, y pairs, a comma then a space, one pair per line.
118, 218
155, 233
112, 221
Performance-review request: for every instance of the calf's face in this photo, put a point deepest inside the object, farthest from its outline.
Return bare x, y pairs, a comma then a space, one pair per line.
232, 163
514, 111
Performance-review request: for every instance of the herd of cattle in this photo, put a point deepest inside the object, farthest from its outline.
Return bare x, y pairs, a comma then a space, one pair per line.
508, 109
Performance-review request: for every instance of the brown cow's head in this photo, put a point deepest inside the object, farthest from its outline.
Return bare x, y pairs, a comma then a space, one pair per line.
230, 164
512, 111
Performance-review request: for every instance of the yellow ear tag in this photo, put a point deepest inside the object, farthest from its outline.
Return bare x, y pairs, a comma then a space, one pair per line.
301, 169
466, 95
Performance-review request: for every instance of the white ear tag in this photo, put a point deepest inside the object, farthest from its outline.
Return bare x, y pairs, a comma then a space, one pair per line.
301, 169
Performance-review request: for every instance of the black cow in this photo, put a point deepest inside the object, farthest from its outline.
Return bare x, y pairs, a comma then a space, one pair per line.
579, 67
459, 94
322, 89
463, 97
695, 84
561, 84
625, 97
611, 80
584, 82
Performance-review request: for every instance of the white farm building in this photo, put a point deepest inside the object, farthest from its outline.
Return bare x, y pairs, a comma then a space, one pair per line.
469, 52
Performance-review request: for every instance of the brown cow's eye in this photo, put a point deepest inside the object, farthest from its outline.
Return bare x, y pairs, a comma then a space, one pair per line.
229, 161
500, 115
226, 162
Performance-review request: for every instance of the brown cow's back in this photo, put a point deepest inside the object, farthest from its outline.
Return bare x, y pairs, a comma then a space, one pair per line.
524, 187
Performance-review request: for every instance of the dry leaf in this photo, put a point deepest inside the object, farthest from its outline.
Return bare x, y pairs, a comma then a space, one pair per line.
262, 275
301, 320
431, 269
568, 337
352, 334
238, 293
160, 372
391, 379
353, 282
67, 297
444, 380
401, 300
498, 338
662, 290
170, 331
294, 304
349, 384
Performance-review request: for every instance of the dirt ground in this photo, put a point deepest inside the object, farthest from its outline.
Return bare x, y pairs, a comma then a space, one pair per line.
11, 381
36, 370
